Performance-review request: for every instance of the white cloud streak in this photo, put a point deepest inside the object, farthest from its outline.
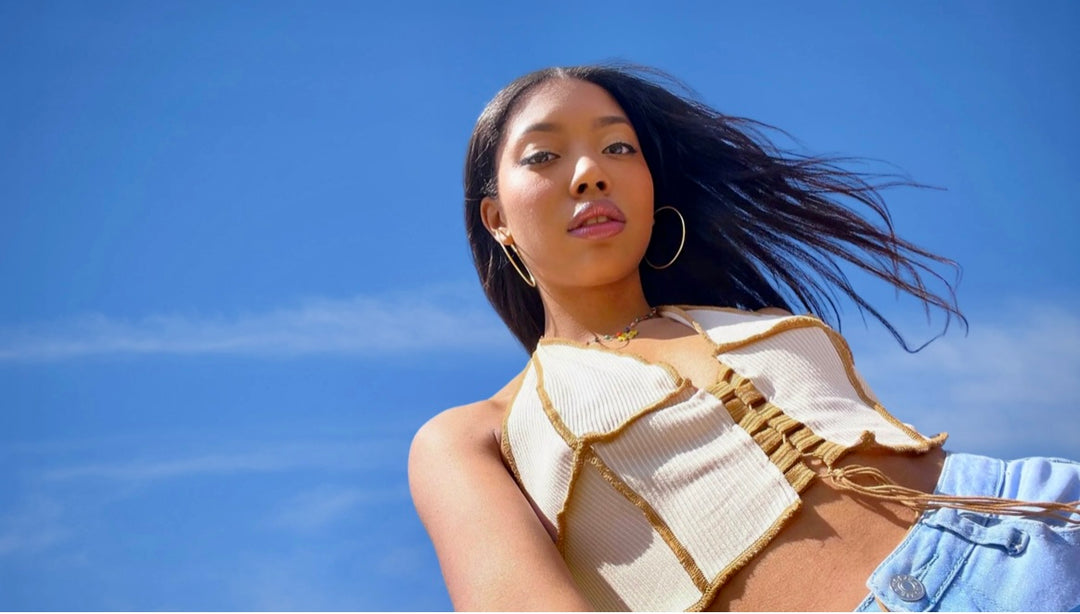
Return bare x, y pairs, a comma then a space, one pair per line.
358, 326
46, 515
266, 459
323, 506
1010, 388
32, 526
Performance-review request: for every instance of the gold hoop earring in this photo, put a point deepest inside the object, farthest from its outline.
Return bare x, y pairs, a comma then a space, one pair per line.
527, 274
682, 241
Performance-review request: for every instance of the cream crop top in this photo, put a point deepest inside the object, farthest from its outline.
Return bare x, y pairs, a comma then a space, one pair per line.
659, 491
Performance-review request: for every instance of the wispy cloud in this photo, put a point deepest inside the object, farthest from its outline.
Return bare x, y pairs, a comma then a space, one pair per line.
31, 526
263, 459
50, 502
323, 506
1010, 387
363, 325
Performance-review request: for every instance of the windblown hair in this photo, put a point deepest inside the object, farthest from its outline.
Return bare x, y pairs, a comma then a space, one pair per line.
765, 228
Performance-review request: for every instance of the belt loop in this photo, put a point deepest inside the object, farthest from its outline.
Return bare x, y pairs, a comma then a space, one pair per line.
980, 529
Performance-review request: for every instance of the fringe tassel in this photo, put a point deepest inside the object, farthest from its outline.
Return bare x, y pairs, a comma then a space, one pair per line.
882, 488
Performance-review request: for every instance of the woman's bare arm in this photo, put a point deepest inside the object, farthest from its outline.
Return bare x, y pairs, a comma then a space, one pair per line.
494, 552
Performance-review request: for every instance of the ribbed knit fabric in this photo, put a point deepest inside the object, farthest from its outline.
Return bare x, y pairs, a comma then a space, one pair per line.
658, 491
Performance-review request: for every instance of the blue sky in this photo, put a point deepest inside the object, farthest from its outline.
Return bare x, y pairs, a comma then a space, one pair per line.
235, 279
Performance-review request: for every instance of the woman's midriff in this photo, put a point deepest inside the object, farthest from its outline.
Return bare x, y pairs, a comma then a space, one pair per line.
822, 557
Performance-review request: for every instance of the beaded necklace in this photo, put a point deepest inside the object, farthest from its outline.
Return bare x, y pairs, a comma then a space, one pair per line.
630, 331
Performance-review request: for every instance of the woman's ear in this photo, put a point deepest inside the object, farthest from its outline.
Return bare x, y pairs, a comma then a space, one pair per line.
492, 215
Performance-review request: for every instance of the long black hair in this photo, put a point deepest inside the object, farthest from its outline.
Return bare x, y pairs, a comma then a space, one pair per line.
765, 227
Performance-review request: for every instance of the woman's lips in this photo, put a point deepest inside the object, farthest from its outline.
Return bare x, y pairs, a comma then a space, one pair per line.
599, 229
597, 220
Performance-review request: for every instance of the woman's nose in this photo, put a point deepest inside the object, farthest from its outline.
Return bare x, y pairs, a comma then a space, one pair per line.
588, 176
583, 187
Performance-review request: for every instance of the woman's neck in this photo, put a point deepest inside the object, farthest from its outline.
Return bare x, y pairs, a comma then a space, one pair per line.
583, 313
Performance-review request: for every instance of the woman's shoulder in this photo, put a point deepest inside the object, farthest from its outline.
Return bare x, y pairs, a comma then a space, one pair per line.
495, 552
459, 440
477, 422
470, 427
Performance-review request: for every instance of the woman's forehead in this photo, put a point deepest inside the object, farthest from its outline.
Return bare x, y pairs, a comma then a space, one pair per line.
559, 101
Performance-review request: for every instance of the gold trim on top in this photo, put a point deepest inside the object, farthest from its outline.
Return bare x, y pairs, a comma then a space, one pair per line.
670, 400
781, 324
709, 594
680, 385
778, 322
655, 520
553, 416
783, 439
671, 370
571, 440
584, 453
581, 445
504, 439
843, 352
576, 467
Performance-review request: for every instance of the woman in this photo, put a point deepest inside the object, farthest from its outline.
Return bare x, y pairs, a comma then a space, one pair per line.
653, 455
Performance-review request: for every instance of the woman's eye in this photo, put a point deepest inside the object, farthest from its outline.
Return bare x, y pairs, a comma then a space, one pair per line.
538, 158
620, 148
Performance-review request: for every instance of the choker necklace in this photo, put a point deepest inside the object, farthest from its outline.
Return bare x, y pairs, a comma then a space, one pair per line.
630, 331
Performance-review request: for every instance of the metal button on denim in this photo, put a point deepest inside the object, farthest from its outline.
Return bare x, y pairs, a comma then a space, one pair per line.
907, 587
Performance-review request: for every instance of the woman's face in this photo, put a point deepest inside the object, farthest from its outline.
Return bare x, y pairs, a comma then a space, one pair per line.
574, 193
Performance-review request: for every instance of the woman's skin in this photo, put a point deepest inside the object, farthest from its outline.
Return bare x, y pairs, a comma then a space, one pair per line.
570, 154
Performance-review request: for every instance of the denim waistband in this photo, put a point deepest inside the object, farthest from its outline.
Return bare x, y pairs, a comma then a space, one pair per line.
959, 559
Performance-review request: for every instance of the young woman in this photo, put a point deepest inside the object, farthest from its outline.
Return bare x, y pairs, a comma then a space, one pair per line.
680, 440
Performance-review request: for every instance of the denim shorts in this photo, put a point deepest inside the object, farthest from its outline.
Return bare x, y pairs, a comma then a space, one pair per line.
955, 560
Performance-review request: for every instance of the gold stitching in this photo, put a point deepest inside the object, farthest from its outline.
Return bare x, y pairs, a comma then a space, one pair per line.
504, 442
709, 594
658, 523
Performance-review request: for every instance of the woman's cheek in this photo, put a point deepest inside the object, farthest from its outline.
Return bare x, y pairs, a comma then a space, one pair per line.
535, 205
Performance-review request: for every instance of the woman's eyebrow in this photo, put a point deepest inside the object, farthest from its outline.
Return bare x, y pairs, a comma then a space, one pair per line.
541, 127
608, 120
